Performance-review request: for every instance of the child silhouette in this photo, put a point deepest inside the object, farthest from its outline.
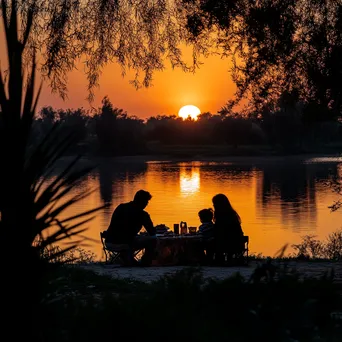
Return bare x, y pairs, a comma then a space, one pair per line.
206, 229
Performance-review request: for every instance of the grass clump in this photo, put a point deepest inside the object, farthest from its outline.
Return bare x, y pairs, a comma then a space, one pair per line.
311, 248
76, 255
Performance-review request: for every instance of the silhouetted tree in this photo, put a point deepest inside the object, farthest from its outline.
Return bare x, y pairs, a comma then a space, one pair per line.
276, 46
117, 132
105, 127
239, 131
48, 114
136, 34
164, 129
30, 208
74, 120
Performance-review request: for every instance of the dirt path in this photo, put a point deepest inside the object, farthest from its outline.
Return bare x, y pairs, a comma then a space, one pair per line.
148, 274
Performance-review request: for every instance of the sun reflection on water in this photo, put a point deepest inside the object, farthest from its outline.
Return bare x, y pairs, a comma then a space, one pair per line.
189, 181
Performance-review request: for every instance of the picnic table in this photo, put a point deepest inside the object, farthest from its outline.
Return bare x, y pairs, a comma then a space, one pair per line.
178, 250
173, 250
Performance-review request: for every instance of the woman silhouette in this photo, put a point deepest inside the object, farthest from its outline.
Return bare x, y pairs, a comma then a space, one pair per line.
227, 230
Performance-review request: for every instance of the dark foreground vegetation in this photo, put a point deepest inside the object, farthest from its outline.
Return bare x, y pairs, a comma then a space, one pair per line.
275, 303
82, 306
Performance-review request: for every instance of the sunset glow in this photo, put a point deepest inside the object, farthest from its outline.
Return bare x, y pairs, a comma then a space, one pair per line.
209, 89
189, 181
189, 110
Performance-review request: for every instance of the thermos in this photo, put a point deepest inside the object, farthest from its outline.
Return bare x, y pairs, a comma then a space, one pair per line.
176, 228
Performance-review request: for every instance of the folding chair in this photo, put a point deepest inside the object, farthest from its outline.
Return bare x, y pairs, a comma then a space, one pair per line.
245, 251
242, 256
113, 252
237, 258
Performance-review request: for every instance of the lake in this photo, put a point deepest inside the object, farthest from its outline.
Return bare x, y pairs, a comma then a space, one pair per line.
279, 199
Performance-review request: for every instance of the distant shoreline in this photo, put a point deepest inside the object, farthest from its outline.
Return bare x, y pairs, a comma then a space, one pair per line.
216, 159
151, 158
158, 152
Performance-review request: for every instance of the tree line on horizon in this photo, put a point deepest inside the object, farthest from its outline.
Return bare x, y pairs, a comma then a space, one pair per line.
111, 131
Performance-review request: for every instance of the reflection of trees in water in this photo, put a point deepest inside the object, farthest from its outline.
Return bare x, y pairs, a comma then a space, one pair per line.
189, 174
85, 183
186, 174
113, 177
171, 171
106, 180
110, 172
294, 185
227, 173
168, 172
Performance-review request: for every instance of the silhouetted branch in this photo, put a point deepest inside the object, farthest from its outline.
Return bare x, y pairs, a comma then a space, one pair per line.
28, 27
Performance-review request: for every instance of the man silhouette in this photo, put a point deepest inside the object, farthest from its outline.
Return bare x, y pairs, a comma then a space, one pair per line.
127, 221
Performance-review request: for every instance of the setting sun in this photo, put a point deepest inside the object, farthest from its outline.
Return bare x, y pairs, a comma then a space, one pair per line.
189, 110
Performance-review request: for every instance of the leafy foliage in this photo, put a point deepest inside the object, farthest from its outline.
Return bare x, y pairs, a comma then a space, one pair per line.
75, 255
277, 46
137, 35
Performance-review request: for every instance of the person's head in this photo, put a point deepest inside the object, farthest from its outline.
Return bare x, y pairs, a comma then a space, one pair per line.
141, 198
222, 206
221, 203
206, 215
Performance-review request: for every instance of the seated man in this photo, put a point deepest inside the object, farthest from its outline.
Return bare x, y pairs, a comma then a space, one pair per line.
127, 221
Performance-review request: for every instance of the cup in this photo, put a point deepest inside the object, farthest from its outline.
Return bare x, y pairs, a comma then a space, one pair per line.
192, 230
176, 228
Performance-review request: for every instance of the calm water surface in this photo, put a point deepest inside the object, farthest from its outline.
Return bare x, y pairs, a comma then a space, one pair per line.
279, 199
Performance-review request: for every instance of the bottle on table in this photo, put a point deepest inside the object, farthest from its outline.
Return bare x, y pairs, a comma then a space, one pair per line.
183, 227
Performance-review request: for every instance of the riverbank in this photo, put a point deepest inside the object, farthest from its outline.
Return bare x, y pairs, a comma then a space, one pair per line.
241, 160
229, 159
305, 268
182, 304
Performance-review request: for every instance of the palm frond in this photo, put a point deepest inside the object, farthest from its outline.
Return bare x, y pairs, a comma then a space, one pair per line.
30, 203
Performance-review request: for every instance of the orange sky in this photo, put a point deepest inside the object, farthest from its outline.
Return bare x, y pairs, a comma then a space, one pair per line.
209, 89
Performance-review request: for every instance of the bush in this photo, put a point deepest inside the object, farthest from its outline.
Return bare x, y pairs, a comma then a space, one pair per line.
76, 255
310, 248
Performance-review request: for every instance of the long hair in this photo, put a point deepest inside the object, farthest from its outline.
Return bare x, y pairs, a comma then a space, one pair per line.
223, 208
